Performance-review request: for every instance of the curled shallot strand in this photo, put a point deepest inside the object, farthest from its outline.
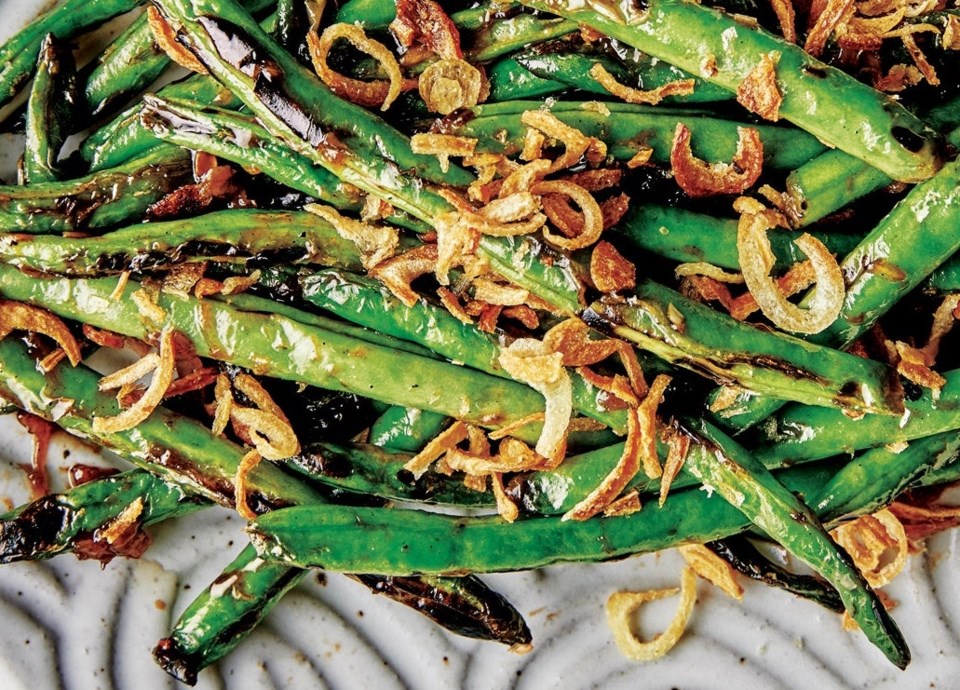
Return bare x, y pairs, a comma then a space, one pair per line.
375, 93
757, 260
698, 178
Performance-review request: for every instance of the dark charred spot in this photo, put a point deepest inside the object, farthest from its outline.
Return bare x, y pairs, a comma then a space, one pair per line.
238, 49
272, 94
452, 123
814, 71
601, 322
35, 531
849, 389
322, 464
911, 390
908, 139
469, 608
219, 486
177, 662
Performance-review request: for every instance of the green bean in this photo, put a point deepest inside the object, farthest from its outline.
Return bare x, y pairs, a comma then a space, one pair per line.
831, 181
625, 130
533, 265
177, 448
370, 14
395, 541
748, 485
553, 281
224, 614
313, 355
799, 433
463, 605
131, 63
946, 277
509, 80
919, 234
746, 559
18, 56
507, 35
392, 540
217, 621
822, 100
406, 428
298, 235
876, 477
526, 261
294, 101
694, 336
51, 110
377, 14
239, 139
188, 454
683, 235
371, 471
828, 183
124, 69
260, 305
367, 302
61, 522
637, 71
292, 26
109, 197
125, 137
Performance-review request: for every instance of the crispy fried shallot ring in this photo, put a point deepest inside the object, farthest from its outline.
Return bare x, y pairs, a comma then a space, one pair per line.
826, 23
616, 481
575, 142
161, 365
621, 607
647, 417
443, 146
698, 178
610, 271
441, 443
450, 84
17, 316
398, 272
756, 261
701, 268
868, 539
679, 445
787, 18
247, 464
533, 363
628, 504
589, 209
372, 93
914, 366
712, 568
166, 39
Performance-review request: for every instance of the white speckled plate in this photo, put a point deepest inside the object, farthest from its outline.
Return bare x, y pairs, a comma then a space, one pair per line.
65, 623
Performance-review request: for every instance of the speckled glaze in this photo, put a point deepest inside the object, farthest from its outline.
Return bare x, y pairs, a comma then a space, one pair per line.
69, 624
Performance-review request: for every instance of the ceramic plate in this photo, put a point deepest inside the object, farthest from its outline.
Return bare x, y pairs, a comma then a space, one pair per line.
66, 623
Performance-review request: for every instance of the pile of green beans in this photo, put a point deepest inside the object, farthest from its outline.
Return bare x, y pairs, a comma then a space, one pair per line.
125, 190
